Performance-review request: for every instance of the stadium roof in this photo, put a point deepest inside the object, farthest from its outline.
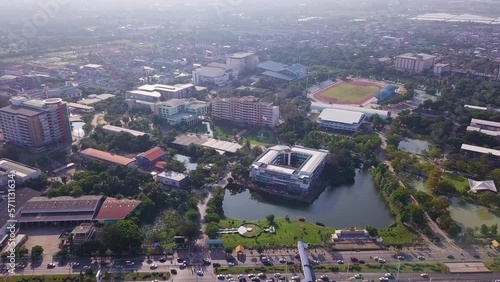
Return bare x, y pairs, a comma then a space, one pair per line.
367, 111
480, 186
278, 75
107, 157
115, 209
295, 68
341, 116
153, 154
272, 66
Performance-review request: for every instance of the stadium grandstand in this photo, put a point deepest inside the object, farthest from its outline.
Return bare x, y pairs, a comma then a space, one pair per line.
386, 94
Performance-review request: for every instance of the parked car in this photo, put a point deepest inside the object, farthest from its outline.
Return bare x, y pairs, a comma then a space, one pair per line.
153, 266
383, 279
389, 275
421, 257
129, 263
51, 265
220, 277
173, 271
199, 272
340, 261
162, 259
361, 261
75, 264
324, 277
282, 260
424, 275
354, 259
231, 263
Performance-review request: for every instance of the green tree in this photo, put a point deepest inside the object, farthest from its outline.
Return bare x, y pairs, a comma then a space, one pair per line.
270, 218
494, 229
211, 230
36, 252
123, 235
192, 215
372, 230
484, 230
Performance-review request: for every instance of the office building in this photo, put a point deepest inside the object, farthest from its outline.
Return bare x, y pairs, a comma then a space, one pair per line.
242, 62
169, 91
35, 124
177, 111
246, 110
173, 179
340, 120
487, 127
415, 62
20, 172
292, 169
282, 72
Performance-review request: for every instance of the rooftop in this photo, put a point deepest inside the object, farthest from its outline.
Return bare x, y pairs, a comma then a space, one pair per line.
416, 56
84, 203
19, 169
80, 106
479, 186
279, 75
487, 123
481, 150
21, 110
272, 66
176, 176
145, 93
115, 209
341, 116
314, 158
153, 154
108, 157
22, 197
164, 87
211, 71
241, 55
225, 146
117, 129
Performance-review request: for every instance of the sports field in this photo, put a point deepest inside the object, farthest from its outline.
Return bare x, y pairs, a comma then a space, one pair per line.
352, 92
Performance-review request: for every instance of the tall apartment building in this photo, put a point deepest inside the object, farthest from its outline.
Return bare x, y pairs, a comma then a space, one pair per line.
35, 123
246, 110
176, 111
415, 62
242, 62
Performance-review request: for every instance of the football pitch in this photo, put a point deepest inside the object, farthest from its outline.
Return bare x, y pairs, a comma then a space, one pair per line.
350, 93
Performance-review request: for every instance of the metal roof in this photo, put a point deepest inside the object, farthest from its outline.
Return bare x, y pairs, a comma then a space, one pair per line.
19, 169
107, 157
485, 123
340, 116
481, 150
210, 71
121, 129
272, 66
117, 208
278, 75
304, 260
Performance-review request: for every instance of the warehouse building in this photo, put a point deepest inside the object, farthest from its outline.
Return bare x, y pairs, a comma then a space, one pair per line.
91, 154
369, 112
113, 210
21, 172
340, 120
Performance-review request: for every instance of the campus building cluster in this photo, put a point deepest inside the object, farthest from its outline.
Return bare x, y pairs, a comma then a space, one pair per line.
288, 169
177, 111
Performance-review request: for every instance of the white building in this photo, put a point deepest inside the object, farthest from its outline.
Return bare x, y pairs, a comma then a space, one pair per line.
289, 168
176, 111
172, 179
21, 173
481, 186
210, 76
487, 127
369, 112
340, 119
146, 96
415, 62
64, 92
242, 62
170, 91
440, 69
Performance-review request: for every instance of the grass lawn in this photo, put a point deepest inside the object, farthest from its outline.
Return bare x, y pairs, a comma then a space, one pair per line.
257, 135
461, 183
366, 268
492, 265
397, 235
348, 93
287, 234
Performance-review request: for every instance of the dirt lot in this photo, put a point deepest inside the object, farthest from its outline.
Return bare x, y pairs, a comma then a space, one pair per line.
47, 237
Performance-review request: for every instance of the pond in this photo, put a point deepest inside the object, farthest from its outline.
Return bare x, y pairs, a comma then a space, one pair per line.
471, 215
187, 163
414, 146
357, 205
76, 129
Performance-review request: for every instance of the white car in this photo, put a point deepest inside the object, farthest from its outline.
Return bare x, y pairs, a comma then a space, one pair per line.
421, 257
340, 261
229, 276
376, 258
282, 260
75, 264
358, 276
389, 275
153, 266
220, 276
277, 274
241, 276
51, 265
424, 275
251, 275
230, 263
383, 279
199, 272
261, 275
296, 278
381, 260
324, 277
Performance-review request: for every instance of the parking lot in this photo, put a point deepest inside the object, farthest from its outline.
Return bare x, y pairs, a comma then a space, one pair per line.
47, 237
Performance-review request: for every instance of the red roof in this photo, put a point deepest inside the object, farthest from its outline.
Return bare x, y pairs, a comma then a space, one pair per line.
105, 156
116, 209
160, 165
153, 154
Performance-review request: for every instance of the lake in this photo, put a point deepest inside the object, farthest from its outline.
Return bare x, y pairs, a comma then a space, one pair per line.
470, 215
353, 205
414, 146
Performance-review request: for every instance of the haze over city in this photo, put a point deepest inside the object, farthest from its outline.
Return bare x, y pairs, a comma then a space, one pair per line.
250, 140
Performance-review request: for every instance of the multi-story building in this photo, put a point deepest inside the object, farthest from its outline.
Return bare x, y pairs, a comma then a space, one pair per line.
415, 62
440, 69
177, 111
246, 110
170, 91
34, 94
291, 169
340, 119
210, 76
242, 62
35, 124
282, 72
64, 92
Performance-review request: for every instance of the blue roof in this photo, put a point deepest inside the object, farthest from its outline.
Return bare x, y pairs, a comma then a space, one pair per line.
296, 68
272, 66
304, 260
278, 75
215, 242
